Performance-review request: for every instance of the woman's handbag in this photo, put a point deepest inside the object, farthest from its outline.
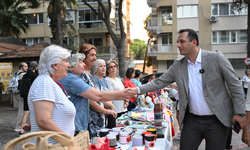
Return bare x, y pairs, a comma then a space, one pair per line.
65, 142
82, 140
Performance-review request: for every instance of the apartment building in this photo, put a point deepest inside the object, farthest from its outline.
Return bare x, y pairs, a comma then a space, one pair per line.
219, 26
89, 27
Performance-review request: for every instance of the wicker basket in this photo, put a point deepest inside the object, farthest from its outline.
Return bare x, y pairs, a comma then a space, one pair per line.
65, 142
82, 140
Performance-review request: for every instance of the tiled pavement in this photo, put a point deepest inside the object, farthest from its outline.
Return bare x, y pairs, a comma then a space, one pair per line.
236, 140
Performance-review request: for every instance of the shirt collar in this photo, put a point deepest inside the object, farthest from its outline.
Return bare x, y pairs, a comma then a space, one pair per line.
198, 59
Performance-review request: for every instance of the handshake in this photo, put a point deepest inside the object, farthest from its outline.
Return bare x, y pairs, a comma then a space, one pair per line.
129, 93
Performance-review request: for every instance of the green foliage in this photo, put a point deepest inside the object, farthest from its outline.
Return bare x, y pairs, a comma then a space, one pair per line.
138, 48
149, 61
145, 22
67, 27
12, 20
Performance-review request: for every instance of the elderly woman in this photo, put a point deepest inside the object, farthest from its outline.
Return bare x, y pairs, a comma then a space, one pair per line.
80, 92
114, 84
99, 70
50, 109
128, 83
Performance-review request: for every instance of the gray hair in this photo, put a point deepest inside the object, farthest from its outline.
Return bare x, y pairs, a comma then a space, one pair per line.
74, 60
52, 54
96, 65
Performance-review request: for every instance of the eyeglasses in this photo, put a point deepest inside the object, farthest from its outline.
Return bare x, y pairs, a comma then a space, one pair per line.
112, 66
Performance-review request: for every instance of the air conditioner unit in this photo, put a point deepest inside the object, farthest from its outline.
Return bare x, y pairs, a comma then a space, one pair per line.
213, 18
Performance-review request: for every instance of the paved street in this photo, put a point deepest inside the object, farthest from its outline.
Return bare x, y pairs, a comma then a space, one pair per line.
8, 120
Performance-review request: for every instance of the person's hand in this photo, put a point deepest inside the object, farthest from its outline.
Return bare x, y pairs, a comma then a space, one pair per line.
129, 93
174, 86
26, 127
126, 103
241, 120
246, 137
111, 112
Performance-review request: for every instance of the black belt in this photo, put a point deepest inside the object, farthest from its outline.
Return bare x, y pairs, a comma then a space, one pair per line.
203, 116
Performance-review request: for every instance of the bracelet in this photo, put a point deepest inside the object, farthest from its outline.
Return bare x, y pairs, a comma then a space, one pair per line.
102, 111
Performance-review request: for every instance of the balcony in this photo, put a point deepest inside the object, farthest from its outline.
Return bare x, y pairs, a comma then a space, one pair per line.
94, 26
152, 3
106, 52
91, 1
153, 50
155, 23
154, 26
91, 24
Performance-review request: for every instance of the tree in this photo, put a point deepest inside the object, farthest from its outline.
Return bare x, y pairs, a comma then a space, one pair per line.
57, 14
138, 48
104, 15
237, 4
151, 40
12, 20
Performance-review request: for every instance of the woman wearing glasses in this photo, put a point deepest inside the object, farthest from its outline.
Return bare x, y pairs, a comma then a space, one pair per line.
114, 84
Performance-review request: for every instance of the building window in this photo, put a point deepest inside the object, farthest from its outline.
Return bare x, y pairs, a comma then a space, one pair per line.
237, 63
94, 41
187, 11
227, 9
68, 40
88, 19
36, 18
166, 15
166, 43
70, 17
239, 36
167, 39
31, 41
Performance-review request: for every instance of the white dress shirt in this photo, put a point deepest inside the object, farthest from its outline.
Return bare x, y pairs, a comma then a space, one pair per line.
197, 103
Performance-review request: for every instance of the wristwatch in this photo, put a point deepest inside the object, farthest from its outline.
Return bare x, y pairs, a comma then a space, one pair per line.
242, 115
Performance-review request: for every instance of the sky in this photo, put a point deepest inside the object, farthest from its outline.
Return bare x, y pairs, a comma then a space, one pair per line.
139, 12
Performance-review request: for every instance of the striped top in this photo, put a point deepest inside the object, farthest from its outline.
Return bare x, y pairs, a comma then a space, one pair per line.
63, 114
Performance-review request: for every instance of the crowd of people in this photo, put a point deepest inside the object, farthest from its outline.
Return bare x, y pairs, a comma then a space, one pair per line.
71, 94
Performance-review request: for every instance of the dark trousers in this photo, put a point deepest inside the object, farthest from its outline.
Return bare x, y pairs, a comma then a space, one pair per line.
245, 90
197, 128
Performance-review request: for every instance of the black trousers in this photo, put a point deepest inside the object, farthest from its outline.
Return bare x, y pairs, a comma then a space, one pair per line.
197, 128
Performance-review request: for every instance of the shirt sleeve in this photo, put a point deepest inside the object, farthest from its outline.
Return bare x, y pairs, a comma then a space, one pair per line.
244, 79
44, 91
78, 86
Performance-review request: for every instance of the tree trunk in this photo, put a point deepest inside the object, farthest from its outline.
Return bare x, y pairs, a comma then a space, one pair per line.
145, 57
121, 60
59, 30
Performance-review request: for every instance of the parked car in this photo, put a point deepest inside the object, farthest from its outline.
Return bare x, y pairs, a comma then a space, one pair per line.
145, 79
170, 90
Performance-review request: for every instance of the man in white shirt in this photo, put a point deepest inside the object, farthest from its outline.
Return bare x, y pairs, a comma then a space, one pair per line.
207, 108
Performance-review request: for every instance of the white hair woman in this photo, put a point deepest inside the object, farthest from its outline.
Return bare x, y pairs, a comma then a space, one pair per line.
80, 92
50, 109
99, 70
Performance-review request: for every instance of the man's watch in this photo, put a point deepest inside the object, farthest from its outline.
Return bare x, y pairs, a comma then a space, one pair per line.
242, 115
